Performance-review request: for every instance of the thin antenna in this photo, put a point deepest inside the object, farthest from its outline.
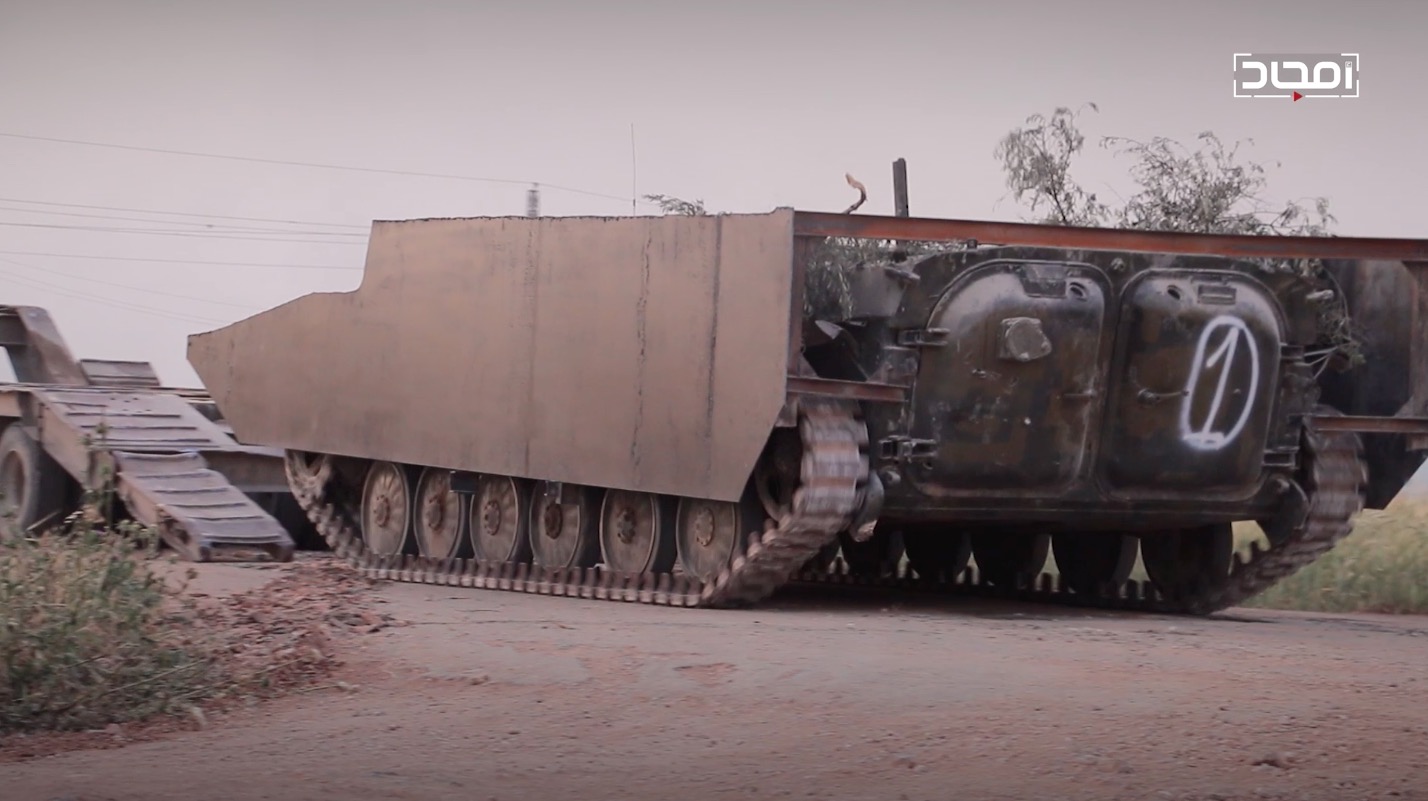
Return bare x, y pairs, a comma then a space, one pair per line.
634, 172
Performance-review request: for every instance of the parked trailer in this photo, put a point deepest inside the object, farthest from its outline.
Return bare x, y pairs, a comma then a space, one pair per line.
69, 425
646, 409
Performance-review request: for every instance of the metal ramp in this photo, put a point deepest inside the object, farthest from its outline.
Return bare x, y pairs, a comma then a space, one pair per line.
113, 373
194, 508
155, 443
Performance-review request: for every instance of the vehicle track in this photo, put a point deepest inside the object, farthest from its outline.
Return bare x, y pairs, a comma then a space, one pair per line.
1335, 479
834, 470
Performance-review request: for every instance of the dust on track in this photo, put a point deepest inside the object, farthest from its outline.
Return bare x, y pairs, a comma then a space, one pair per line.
814, 694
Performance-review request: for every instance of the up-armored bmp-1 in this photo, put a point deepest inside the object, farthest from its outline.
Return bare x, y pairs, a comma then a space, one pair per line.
696, 410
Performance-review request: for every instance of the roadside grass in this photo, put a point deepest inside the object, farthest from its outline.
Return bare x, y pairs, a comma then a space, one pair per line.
98, 628
1382, 566
90, 634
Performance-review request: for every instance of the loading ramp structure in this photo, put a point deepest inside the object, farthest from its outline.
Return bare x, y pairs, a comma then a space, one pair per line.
69, 426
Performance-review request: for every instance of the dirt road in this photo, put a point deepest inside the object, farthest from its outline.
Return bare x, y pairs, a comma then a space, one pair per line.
491, 695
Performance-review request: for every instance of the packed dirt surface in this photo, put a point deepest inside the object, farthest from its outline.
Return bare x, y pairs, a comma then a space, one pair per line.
488, 695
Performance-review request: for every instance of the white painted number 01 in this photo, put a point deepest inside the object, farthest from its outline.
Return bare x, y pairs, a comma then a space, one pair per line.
1219, 363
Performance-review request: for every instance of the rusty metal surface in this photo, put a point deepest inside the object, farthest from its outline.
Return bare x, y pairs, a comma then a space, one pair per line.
137, 421
153, 445
74, 420
808, 223
250, 470
1001, 409
802, 250
1194, 384
194, 507
1389, 306
632, 353
1366, 424
857, 390
1086, 392
1417, 404
110, 373
36, 349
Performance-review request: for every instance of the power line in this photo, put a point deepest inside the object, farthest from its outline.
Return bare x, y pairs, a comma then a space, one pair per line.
292, 163
201, 225
182, 213
90, 279
32, 282
185, 234
182, 261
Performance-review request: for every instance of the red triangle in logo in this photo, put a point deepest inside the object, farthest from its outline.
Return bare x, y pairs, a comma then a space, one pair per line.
1297, 95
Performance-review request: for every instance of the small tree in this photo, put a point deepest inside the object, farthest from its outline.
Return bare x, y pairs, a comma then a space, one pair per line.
674, 205
1205, 190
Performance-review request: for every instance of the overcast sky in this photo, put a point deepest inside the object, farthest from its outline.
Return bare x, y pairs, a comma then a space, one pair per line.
746, 105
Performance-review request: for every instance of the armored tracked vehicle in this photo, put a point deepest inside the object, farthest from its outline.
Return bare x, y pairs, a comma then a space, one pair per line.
697, 410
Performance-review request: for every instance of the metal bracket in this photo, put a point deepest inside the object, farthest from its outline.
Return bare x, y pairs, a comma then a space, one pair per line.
463, 483
869, 506
788, 415
1022, 340
906, 449
923, 337
1417, 404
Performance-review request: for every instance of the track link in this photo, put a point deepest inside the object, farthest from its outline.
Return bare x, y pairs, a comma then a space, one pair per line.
1333, 484
833, 473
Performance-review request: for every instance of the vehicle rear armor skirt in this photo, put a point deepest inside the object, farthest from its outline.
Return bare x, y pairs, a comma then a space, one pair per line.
834, 469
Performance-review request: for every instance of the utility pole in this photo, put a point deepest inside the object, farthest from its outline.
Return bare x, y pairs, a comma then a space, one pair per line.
533, 201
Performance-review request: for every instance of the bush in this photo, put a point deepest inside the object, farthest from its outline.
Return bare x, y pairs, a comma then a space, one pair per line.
89, 634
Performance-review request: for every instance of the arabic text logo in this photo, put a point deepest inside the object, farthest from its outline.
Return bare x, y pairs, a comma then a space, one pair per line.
1296, 75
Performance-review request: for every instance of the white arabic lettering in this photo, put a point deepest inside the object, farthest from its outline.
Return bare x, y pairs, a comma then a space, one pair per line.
1271, 74
1263, 75
1302, 83
1202, 435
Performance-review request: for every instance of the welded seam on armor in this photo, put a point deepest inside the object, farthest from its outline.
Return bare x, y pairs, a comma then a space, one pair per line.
641, 316
533, 288
710, 386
